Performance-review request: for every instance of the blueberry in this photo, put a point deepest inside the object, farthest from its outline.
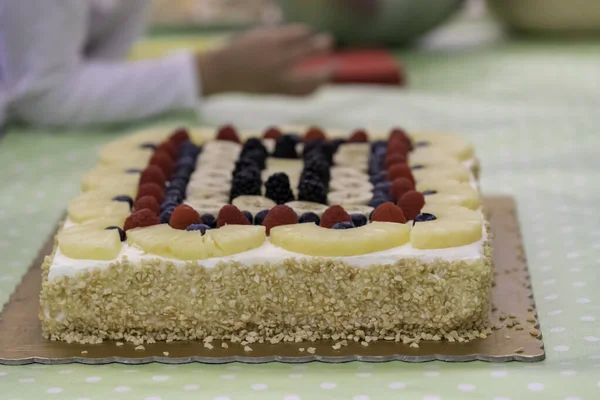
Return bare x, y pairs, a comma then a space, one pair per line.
310, 217
188, 148
186, 162
428, 192
344, 225
382, 189
178, 183
418, 166
248, 215
148, 145
181, 175
423, 143
133, 171
122, 233
173, 192
260, 217
424, 217
198, 227
378, 144
209, 220
165, 216
375, 166
171, 203
377, 201
126, 199
379, 177
379, 152
358, 219
184, 171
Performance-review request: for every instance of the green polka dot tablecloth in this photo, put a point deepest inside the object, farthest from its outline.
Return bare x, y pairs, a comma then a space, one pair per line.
533, 112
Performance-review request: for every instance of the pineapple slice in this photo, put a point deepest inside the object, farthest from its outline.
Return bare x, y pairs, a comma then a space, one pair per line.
104, 172
314, 240
233, 239
450, 144
454, 226
452, 172
88, 207
90, 241
190, 245
122, 180
120, 155
155, 239
450, 193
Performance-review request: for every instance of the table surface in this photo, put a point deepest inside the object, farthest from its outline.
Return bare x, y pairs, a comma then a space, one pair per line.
532, 110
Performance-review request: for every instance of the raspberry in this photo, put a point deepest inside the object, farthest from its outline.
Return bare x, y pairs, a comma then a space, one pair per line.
272, 133
228, 133
411, 203
397, 147
359, 136
400, 171
179, 136
153, 173
399, 187
170, 148
394, 158
313, 134
147, 202
151, 189
231, 215
163, 160
399, 133
333, 215
140, 219
278, 188
279, 215
388, 212
184, 216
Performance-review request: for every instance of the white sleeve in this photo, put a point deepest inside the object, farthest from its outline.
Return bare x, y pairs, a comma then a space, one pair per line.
50, 83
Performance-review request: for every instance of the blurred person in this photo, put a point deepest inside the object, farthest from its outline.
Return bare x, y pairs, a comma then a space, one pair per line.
62, 63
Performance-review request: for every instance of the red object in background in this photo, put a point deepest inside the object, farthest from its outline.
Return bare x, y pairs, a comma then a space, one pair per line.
377, 67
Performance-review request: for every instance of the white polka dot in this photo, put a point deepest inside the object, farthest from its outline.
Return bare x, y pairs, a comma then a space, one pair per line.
551, 297
544, 254
558, 329
295, 376
361, 397
546, 268
292, 397
568, 372
160, 378
152, 398
13, 232
572, 398
65, 371
189, 388
466, 387
93, 379
575, 269
228, 376
583, 300
587, 318
555, 312
328, 385
2, 373
363, 374
561, 347
499, 374
397, 385
572, 255
549, 282
221, 398
431, 398
26, 380
595, 357
535, 387
578, 284
431, 373
6, 278
54, 390
566, 363
591, 339
259, 386
598, 384
122, 389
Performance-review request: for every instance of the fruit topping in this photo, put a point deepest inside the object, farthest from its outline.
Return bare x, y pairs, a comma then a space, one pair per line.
388, 212
416, 167
359, 219
246, 183
278, 188
399, 187
309, 217
153, 173
399, 133
359, 136
151, 189
122, 234
253, 203
300, 207
312, 189
314, 134
140, 219
333, 215
187, 161
198, 227
280, 215
163, 160
170, 149
90, 241
133, 171
209, 220
424, 217
260, 217
179, 136
336, 143
422, 143
165, 215
179, 184
125, 199
411, 203
285, 147
378, 177
453, 226
184, 216
394, 158
189, 149
343, 225
148, 202
272, 133
248, 216
231, 215
254, 144
228, 133
317, 165
148, 145
376, 201
400, 171
429, 192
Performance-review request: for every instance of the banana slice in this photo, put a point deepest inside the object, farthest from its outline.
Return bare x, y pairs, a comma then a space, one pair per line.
207, 196
222, 146
208, 186
253, 204
351, 160
216, 162
300, 207
212, 174
348, 173
355, 149
206, 206
366, 210
349, 184
349, 197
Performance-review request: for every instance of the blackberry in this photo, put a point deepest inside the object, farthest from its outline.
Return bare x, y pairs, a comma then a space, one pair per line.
244, 164
278, 188
285, 147
343, 225
246, 183
260, 217
126, 199
320, 149
256, 156
311, 188
319, 167
254, 144
359, 219
309, 217
336, 143
198, 227
209, 220
248, 216
122, 234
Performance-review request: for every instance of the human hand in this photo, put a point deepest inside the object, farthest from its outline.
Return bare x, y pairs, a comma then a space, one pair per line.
265, 60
